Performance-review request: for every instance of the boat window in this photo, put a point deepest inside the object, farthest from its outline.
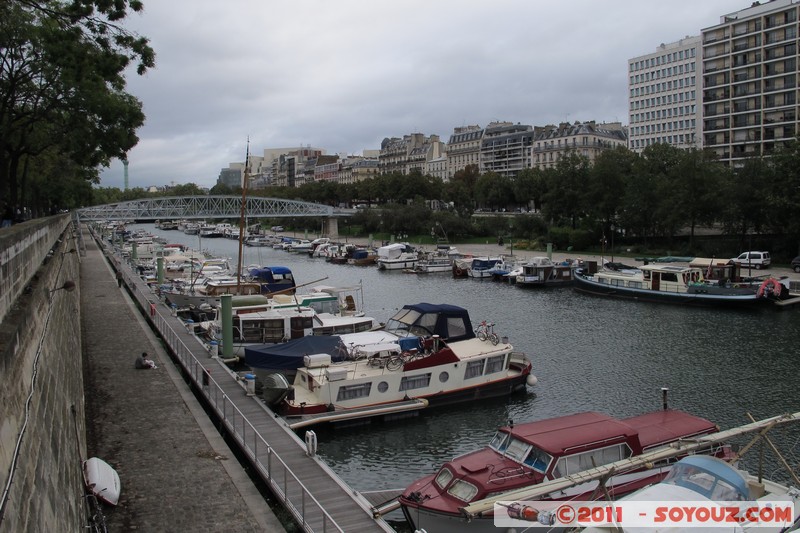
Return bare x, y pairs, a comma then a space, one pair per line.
499, 441
583, 461
495, 364
415, 382
669, 276
474, 369
538, 459
383, 386
443, 477
443, 377
462, 490
635, 284
517, 450
703, 482
456, 327
618, 282
602, 280
351, 392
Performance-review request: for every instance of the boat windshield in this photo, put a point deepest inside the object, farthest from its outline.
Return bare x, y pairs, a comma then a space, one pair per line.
403, 324
463, 490
443, 477
521, 451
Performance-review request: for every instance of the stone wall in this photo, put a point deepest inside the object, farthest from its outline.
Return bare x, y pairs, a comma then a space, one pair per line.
42, 415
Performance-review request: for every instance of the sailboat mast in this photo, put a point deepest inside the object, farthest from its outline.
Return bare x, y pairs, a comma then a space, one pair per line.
242, 218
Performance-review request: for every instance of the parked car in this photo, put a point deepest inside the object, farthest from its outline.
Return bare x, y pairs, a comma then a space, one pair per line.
277, 229
796, 264
757, 260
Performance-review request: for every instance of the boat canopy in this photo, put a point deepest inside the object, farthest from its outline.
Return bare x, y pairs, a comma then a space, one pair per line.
449, 322
289, 355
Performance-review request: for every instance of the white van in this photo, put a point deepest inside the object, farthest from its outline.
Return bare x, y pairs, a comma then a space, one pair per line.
757, 260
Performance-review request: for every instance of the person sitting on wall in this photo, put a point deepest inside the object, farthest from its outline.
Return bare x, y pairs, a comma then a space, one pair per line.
144, 363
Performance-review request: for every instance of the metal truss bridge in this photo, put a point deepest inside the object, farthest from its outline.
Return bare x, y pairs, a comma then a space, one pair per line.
190, 207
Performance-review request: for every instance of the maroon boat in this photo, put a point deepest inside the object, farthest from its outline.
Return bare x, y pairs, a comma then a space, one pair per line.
528, 454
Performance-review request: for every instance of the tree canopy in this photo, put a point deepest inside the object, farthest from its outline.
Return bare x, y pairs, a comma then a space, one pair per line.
64, 112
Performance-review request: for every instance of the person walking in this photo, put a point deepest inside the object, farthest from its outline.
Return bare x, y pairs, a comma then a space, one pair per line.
8, 215
119, 278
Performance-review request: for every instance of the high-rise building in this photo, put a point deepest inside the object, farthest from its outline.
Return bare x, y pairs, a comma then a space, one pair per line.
663, 96
749, 75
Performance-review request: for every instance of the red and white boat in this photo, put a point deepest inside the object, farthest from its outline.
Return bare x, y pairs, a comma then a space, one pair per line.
535, 452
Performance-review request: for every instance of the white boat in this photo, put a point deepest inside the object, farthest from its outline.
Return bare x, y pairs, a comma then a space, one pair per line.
440, 260
701, 479
436, 373
397, 256
102, 480
323, 311
481, 267
426, 354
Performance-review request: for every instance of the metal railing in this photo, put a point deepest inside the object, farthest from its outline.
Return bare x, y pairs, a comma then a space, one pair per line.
277, 474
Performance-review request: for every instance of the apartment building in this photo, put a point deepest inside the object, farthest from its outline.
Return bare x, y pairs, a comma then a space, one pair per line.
506, 148
588, 139
663, 96
411, 153
357, 168
463, 148
749, 71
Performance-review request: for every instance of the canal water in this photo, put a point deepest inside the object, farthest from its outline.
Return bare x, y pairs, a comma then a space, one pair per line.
589, 353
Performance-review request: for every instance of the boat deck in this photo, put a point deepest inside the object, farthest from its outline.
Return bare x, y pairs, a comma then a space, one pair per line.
315, 496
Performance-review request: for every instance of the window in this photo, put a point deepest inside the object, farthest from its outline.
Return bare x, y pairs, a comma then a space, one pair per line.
462, 490
415, 382
583, 461
495, 364
383, 386
444, 377
351, 392
443, 477
474, 369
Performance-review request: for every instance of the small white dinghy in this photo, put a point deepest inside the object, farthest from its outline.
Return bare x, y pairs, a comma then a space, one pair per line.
102, 480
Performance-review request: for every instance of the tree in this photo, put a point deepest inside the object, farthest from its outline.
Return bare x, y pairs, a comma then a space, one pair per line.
62, 87
564, 199
784, 196
607, 181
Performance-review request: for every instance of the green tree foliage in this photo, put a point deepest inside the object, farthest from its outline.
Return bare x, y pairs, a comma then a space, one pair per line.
62, 89
564, 199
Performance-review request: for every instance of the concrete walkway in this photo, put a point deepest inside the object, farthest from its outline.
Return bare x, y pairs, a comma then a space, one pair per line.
176, 471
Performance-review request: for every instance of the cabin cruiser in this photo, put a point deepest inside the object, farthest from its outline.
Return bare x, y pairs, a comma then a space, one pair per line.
525, 455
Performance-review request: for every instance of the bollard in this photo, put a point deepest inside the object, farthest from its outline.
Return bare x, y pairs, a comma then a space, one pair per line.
213, 349
250, 384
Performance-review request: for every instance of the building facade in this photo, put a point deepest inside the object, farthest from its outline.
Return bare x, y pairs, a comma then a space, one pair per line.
750, 85
506, 148
408, 154
463, 148
663, 96
587, 139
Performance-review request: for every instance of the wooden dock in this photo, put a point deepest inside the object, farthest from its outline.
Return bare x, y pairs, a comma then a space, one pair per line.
315, 496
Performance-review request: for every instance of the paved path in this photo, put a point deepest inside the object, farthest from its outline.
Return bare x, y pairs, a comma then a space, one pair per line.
177, 473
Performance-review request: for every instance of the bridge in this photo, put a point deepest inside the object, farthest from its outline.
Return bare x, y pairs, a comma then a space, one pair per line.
215, 207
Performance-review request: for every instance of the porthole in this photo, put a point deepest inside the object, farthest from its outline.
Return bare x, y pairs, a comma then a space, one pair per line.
443, 377
383, 386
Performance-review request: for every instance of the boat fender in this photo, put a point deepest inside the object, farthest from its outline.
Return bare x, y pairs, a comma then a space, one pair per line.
459, 272
311, 443
532, 380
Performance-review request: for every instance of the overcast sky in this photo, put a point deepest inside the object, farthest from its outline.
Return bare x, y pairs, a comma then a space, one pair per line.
344, 74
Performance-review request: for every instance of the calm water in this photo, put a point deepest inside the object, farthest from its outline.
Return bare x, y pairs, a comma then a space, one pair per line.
589, 353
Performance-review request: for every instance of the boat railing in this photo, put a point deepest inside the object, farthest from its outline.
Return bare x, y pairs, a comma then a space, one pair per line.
280, 477
518, 358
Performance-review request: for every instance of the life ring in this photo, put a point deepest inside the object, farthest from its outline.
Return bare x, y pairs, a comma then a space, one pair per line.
776, 287
459, 272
